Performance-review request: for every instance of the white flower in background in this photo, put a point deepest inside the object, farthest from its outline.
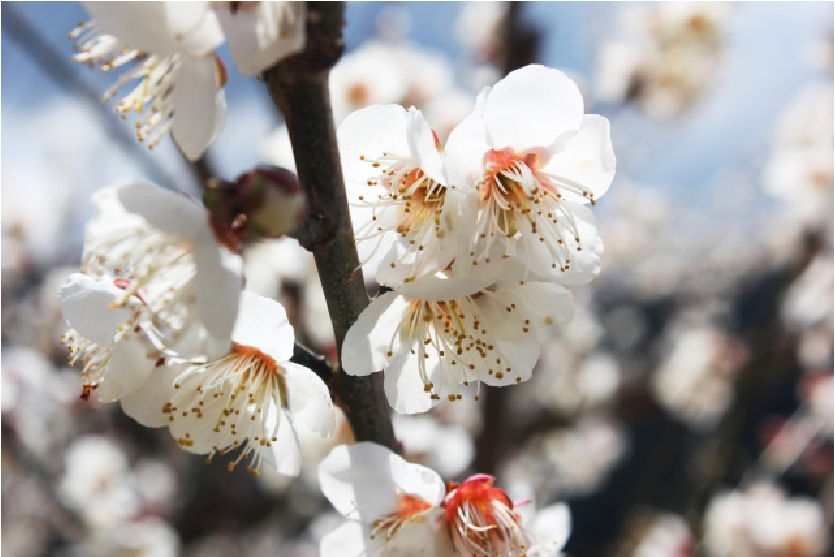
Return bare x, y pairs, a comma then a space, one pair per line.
433, 334
800, 171
666, 535
530, 158
261, 33
97, 481
399, 508
170, 48
159, 247
393, 505
579, 459
398, 191
479, 27
449, 449
664, 56
761, 520
147, 537
366, 76
253, 396
695, 378
484, 521
113, 337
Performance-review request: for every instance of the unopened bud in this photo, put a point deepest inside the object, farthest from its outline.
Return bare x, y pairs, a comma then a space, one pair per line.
275, 203
266, 202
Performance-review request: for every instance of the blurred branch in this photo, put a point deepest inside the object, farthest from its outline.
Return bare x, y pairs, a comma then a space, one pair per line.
56, 66
298, 86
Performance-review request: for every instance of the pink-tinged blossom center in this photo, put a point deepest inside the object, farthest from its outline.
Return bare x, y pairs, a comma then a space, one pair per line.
411, 205
513, 190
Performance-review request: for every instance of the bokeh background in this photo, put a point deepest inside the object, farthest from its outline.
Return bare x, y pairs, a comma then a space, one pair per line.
686, 410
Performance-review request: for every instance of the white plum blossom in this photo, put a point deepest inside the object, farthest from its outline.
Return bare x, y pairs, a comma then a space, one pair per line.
664, 56
762, 520
114, 338
433, 334
159, 247
394, 506
253, 396
261, 33
484, 521
169, 47
399, 508
530, 159
398, 192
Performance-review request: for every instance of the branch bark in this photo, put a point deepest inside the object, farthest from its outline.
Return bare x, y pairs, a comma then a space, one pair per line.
298, 86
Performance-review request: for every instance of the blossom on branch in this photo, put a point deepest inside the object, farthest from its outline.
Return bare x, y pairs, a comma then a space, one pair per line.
158, 244
169, 47
396, 507
439, 332
531, 159
253, 396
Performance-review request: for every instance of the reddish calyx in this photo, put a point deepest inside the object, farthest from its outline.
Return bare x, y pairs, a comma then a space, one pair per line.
478, 492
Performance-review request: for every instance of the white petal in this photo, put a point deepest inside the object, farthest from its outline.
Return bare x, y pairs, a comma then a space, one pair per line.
552, 527
370, 132
283, 454
128, 368
194, 26
199, 107
199, 428
519, 350
362, 481
404, 386
261, 35
145, 403
85, 303
357, 480
585, 264
217, 287
587, 159
169, 211
548, 303
368, 341
442, 286
263, 324
422, 146
137, 24
309, 401
464, 151
531, 108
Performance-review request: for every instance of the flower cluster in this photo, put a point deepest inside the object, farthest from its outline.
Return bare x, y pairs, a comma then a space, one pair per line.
478, 239
396, 507
664, 56
160, 322
171, 49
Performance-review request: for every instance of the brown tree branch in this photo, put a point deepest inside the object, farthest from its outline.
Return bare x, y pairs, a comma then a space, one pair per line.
298, 85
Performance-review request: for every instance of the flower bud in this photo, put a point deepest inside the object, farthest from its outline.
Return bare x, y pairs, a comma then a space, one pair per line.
275, 204
265, 202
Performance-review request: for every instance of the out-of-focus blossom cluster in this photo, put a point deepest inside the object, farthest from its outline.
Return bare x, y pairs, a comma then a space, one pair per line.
761, 520
664, 56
